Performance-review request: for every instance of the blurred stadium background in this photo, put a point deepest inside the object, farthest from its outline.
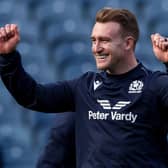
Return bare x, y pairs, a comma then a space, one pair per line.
55, 43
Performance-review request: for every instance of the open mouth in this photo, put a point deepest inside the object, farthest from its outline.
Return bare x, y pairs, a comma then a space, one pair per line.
102, 56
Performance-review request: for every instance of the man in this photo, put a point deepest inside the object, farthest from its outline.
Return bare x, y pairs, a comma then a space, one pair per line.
60, 149
121, 112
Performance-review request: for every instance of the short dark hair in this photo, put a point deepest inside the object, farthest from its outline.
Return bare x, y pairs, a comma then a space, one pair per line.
124, 17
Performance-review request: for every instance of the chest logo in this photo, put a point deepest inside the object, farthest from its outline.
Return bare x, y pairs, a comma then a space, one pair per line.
107, 106
114, 114
136, 87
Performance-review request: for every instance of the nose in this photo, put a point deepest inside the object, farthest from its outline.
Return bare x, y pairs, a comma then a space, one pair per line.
97, 48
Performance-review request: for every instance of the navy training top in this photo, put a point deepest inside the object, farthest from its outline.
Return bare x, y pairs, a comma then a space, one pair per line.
121, 120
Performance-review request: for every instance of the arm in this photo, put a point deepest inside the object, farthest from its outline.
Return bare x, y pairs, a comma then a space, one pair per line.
27, 92
60, 149
166, 65
160, 49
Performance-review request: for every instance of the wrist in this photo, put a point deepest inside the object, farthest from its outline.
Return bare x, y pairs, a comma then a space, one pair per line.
8, 53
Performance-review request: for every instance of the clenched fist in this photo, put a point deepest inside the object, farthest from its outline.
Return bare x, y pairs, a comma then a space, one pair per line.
9, 38
160, 47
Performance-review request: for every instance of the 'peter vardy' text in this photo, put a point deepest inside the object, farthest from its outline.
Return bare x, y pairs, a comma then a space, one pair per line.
114, 115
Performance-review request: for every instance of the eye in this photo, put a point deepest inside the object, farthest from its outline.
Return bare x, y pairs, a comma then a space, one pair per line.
93, 40
105, 40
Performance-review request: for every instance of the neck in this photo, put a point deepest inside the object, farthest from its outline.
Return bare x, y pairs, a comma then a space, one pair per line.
123, 66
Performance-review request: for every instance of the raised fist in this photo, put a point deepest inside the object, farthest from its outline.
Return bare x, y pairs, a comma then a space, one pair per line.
9, 38
160, 47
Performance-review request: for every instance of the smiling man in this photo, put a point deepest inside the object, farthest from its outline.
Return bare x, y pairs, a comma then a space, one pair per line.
111, 43
121, 112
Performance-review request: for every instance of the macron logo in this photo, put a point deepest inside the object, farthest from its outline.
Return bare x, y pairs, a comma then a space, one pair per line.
96, 84
107, 106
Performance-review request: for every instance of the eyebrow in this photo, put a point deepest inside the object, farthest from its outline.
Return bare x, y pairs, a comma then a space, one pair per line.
100, 37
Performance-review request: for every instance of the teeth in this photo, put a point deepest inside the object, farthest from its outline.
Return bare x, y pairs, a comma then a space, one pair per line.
101, 56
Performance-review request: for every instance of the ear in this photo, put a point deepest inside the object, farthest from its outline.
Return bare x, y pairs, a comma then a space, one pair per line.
129, 43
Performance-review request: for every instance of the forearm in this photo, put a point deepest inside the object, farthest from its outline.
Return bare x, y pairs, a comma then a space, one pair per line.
26, 91
15, 78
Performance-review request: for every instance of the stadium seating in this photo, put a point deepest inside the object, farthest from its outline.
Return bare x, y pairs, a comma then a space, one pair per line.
55, 43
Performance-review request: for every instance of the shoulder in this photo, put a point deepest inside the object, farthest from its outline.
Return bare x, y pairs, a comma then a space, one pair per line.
154, 75
158, 81
86, 77
154, 79
82, 81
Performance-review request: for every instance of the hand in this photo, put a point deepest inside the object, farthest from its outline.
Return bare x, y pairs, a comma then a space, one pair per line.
9, 38
160, 47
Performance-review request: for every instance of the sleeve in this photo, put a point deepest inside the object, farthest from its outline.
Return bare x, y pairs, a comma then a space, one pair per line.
60, 148
57, 97
166, 65
160, 87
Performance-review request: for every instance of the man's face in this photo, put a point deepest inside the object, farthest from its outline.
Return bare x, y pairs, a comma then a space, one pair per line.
107, 45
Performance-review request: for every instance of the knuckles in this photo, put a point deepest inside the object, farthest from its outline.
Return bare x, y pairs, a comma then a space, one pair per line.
8, 31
